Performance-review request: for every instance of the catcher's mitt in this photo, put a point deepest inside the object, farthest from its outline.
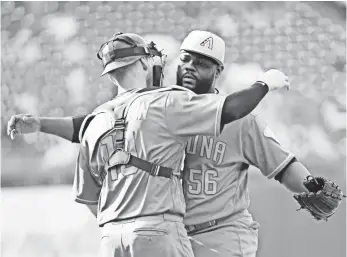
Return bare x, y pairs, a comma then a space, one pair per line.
323, 198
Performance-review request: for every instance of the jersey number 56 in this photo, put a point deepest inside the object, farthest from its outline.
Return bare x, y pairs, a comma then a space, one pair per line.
200, 181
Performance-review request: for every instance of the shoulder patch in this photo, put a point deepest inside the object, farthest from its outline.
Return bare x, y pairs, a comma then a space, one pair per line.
270, 134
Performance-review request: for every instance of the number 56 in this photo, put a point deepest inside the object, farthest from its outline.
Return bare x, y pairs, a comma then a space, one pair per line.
200, 181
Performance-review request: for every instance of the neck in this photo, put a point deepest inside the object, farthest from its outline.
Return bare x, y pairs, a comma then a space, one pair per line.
129, 83
211, 90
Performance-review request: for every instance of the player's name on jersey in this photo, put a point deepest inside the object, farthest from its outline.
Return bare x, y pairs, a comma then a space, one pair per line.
208, 147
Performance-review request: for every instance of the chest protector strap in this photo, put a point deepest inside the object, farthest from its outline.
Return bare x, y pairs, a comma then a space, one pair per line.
122, 157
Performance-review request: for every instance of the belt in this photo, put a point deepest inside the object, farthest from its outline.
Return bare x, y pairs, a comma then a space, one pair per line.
123, 158
197, 227
155, 217
191, 229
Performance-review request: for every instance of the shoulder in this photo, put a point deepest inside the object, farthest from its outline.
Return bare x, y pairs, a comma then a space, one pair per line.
248, 125
174, 89
256, 119
96, 124
259, 125
177, 95
240, 127
162, 92
181, 92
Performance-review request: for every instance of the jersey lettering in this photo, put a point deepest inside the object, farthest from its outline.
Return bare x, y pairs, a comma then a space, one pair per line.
191, 146
206, 147
219, 152
107, 147
107, 143
209, 148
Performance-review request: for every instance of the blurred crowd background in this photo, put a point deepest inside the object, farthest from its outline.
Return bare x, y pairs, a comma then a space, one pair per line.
49, 68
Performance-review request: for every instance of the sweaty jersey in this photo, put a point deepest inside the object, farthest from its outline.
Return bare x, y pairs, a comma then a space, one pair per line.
215, 168
159, 124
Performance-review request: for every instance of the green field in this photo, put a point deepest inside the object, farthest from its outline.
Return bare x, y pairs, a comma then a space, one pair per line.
46, 222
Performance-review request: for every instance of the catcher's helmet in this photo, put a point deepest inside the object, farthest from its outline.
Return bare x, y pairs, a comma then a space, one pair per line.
124, 49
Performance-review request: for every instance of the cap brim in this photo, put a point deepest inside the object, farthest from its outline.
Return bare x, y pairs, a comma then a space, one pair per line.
202, 53
119, 63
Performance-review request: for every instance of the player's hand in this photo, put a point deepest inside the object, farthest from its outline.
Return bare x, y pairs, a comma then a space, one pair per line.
274, 79
22, 124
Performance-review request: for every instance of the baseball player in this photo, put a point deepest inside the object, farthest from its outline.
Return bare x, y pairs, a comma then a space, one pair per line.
130, 159
215, 179
216, 170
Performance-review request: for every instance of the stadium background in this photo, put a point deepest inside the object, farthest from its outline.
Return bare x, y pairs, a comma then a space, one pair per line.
49, 68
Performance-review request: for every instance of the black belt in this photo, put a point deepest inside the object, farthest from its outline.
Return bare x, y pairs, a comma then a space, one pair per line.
195, 228
123, 158
191, 229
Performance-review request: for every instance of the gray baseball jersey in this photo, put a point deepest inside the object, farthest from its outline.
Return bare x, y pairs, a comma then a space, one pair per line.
158, 127
216, 168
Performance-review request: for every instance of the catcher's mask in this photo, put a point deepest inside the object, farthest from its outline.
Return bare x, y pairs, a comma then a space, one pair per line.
115, 54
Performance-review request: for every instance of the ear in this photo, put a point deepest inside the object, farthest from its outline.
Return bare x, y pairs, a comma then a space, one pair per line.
111, 77
219, 70
144, 63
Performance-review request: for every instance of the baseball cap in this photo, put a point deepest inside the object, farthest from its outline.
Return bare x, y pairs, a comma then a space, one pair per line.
121, 50
205, 43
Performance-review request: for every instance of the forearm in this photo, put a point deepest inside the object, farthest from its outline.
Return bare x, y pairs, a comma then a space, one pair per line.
64, 127
241, 103
293, 177
58, 126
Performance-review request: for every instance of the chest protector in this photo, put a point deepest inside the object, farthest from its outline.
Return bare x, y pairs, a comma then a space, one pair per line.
120, 106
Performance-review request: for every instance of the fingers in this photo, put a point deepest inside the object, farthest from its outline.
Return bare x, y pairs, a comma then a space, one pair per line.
13, 134
28, 119
286, 82
11, 124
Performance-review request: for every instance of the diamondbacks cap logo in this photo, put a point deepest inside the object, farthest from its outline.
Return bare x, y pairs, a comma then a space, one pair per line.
207, 42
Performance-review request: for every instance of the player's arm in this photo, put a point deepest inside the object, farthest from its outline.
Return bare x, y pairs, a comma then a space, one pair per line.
189, 114
86, 188
292, 177
261, 148
64, 127
241, 103
318, 195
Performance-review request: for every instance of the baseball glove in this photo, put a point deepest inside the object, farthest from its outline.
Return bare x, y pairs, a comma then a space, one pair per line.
323, 198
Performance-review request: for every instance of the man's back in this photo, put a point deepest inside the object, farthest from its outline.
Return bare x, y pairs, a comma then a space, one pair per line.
157, 129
